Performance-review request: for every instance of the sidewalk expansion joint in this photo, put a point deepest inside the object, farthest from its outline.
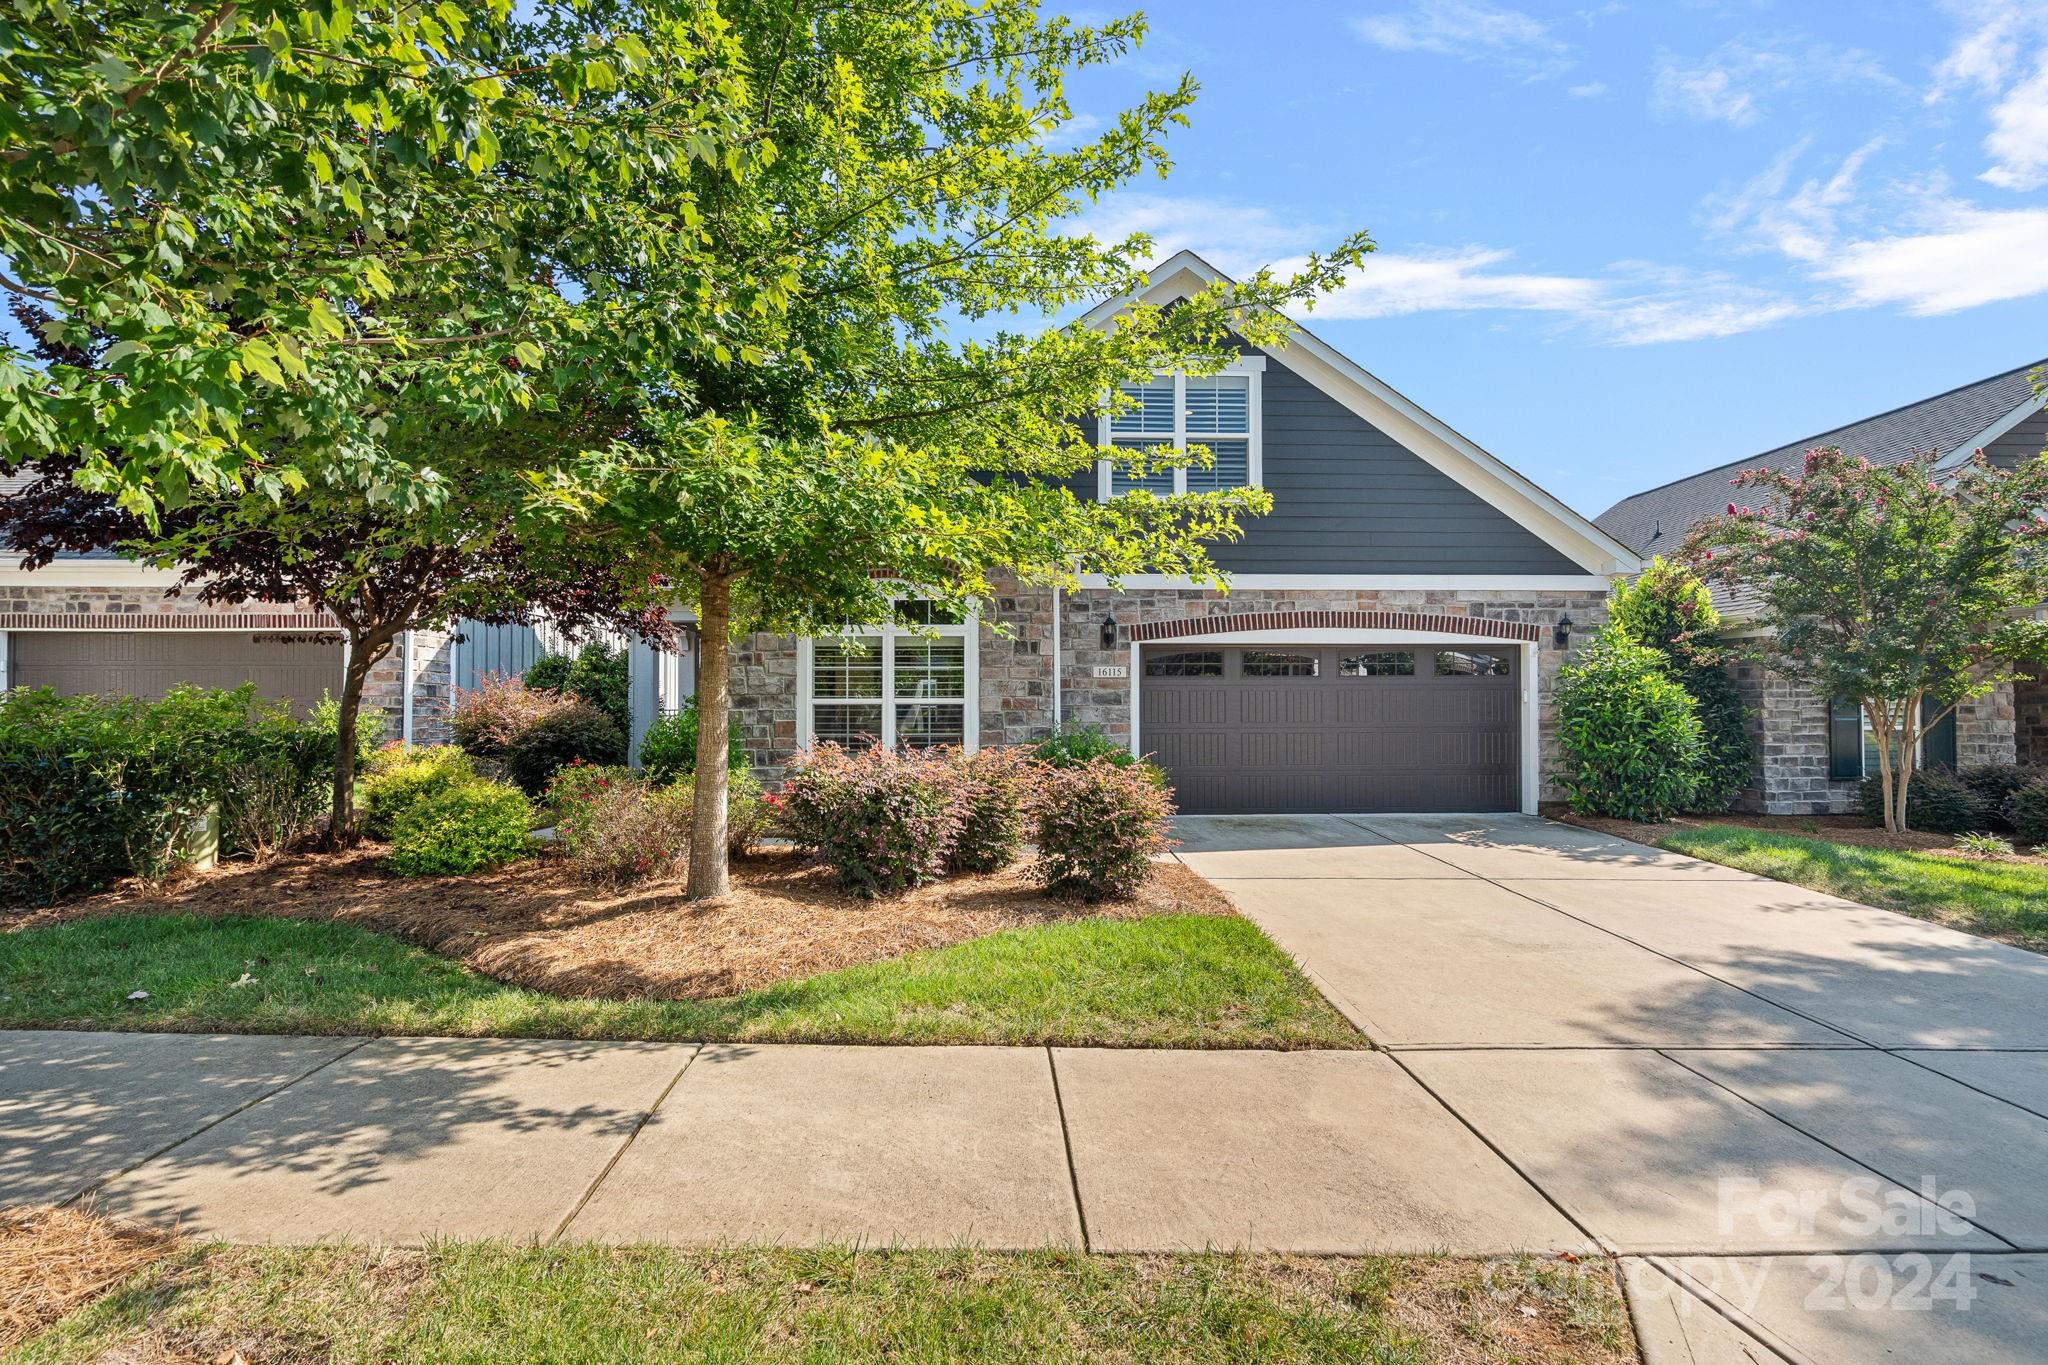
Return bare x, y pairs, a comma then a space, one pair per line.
646, 1118
1059, 1105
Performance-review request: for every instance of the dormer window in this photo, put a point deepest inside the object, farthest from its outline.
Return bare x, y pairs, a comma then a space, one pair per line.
1219, 412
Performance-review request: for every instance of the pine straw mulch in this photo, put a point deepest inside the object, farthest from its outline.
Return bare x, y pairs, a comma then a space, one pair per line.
535, 924
55, 1260
1838, 829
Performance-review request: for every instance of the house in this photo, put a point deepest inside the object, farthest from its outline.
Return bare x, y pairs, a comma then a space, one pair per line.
1389, 642
1812, 754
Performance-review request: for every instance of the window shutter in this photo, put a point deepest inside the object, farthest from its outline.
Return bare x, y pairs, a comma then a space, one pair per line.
1938, 741
1845, 740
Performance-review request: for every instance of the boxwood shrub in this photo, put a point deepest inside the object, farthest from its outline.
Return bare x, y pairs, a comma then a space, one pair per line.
2028, 812
462, 829
401, 777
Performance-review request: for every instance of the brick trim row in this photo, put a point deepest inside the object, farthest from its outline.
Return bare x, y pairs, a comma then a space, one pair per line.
184, 620
1424, 623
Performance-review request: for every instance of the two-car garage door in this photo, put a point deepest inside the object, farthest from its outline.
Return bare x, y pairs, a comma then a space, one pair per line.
1285, 728
295, 666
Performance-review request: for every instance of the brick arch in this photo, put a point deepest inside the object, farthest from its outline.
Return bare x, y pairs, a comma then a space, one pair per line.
1419, 622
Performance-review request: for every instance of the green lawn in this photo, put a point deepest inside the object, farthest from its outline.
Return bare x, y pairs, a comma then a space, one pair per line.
2005, 901
484, 1302
1162, 981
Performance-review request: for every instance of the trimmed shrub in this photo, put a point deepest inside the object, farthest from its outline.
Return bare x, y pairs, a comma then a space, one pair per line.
1727, 756
1937, 802
1098, 825
1997, 784
1075, 745
748, 812
2028, 812
574, 782
883, 822
488, 719
993, 786
595, 673
669, 748
462, 829
400, 778
279, 785
92, 787
616, 828
574, 731
1628, 734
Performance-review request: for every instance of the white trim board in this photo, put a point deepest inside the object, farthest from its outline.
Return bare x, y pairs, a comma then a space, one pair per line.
1385, 582
88, 573
1532, 737
1421, 433
1956, 458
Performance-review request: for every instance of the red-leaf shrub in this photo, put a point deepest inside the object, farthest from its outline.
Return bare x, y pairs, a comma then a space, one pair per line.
617, 828
1098, 826
994, 787
487, 720
884, 822
574, 731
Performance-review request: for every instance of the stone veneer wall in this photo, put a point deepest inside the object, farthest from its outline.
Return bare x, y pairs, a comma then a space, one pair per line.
383, 694
1792, 777
1016, 673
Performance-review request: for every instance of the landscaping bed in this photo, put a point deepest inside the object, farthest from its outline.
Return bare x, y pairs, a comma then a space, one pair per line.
536, 924
342, 947
488, 1301
1913, 873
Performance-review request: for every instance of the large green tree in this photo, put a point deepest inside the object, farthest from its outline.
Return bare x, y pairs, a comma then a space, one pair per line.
274, 215
894, 406
1893, 585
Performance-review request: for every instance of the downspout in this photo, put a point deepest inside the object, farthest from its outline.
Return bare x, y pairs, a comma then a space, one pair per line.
1058, 673
405, 691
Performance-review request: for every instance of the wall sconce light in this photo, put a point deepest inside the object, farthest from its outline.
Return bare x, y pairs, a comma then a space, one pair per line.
1109, 632
1562, 635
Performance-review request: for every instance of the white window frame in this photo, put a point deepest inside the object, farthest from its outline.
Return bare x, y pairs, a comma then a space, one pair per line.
1253, 369
970, 704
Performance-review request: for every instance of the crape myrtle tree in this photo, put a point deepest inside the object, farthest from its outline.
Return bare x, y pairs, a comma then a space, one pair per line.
278, 213
466, 553
893, 414
1895, 586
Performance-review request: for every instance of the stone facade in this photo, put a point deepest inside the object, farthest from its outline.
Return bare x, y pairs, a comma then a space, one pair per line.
153, 608
1790, 724
1015, 659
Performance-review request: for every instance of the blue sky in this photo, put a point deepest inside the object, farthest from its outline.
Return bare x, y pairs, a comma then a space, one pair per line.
1623, 242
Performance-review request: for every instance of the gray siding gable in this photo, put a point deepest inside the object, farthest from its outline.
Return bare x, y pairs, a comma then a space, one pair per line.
1349, 499
2024, 442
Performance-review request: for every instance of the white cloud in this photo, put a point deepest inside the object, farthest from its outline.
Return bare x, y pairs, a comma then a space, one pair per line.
1473, 31
1591, 90
1801, 223
1390, 284
1729, 85
2001, 53
2018, 140
1961, 257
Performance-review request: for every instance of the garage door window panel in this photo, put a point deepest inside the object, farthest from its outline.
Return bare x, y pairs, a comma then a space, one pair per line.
1382, 664
1260, 663
1185, 664
1471, 663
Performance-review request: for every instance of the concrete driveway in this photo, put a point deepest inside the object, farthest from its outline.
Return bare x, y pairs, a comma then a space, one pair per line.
1813, 1130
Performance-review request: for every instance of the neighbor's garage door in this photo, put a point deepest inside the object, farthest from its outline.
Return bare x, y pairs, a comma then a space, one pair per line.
1350, 728
291, 666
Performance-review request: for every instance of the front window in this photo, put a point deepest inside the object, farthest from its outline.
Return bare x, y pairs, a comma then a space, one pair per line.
894, 686
1871, 767
1218, 412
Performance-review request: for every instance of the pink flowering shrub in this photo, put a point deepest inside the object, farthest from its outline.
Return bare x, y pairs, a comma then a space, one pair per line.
614, 827
883, 822
1098, 826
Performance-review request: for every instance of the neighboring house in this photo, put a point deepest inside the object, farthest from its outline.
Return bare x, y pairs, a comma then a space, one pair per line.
1389, 642
1811, 753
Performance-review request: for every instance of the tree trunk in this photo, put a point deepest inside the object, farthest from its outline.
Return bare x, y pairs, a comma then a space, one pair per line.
708, 873
1909, 746
341, 822
1880, 718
